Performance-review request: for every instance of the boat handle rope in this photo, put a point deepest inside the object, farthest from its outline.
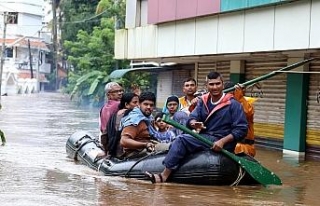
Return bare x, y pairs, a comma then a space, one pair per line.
241, 174
139, 160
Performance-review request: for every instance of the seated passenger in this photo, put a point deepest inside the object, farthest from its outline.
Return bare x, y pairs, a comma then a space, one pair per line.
163, 134
127, 103
137, 126
189, 88
113, 93
171, 106
218, 118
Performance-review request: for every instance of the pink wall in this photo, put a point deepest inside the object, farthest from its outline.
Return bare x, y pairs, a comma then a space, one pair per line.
206, 7
153, 11
170, 10
186, 8
167, 10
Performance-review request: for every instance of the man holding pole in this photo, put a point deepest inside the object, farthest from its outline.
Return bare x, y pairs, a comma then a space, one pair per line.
217, 117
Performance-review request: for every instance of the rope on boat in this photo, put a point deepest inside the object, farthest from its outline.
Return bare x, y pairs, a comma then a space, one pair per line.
241, 174
139, 160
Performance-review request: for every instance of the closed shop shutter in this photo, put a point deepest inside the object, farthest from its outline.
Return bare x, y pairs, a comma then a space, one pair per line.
270, 107
177, 80
223, 67
313, 109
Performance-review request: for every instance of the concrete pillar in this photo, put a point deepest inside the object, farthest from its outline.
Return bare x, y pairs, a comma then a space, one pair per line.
237, 71
294, 141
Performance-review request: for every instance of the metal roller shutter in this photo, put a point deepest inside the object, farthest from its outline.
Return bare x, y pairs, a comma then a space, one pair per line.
177, 80
313, 119
171, 82
270, 107
204, 68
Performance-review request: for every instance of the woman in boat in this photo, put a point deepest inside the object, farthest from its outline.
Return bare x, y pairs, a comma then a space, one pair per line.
127, 103
171, 106
217, 117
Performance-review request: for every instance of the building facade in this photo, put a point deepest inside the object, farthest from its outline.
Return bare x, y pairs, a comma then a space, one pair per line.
27, 57
242, 39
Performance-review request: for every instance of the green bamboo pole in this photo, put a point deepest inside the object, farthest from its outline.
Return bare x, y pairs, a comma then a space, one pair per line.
271, 74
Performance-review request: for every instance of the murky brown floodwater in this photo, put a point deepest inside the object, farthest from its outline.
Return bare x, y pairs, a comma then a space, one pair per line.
34, 168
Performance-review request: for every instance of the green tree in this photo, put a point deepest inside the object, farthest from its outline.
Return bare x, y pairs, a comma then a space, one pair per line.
91, 54
76, 16
92, 58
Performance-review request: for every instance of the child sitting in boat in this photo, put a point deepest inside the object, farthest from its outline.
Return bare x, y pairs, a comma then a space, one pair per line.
163, 133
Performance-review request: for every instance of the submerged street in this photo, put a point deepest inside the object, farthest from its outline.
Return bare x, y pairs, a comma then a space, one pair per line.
35, 170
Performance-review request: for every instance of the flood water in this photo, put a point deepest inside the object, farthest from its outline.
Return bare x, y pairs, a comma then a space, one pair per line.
35, 170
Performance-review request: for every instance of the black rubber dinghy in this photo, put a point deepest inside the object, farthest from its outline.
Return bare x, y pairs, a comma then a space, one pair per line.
202, 168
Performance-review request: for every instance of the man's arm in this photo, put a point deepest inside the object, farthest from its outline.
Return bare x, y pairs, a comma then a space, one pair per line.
129, 135
218, 145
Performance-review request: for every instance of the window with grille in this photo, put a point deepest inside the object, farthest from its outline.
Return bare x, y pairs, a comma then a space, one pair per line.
12, 18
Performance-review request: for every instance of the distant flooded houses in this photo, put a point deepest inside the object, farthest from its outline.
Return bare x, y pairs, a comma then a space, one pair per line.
27, 55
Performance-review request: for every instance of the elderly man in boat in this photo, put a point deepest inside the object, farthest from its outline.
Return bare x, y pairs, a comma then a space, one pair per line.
113, 93
217, 117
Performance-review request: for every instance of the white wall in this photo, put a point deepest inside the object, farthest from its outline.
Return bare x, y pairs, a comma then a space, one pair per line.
314, 25
30, 15
164, 87
26, 6
28, 25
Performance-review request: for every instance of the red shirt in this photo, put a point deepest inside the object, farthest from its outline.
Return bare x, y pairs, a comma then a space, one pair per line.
110, 107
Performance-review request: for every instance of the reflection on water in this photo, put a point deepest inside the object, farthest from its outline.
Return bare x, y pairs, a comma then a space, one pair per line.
34, 168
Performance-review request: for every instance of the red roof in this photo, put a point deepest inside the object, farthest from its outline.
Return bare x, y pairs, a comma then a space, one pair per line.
23, 42
27, 74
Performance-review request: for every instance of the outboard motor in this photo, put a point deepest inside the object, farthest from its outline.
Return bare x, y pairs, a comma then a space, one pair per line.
77, 141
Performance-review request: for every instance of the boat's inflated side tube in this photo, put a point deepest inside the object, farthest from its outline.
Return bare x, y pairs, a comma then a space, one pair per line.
205, 168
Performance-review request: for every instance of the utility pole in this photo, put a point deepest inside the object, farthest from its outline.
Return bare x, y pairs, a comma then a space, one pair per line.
30, 59
54, 39
3, 49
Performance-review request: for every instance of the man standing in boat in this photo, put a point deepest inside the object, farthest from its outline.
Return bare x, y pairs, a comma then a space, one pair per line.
217, 117
113, 93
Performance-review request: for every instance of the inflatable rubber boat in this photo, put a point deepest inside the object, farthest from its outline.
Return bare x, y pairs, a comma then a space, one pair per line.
205, 168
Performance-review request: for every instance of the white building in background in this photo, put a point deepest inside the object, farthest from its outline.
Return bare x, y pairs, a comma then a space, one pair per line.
24, 27
243, 40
